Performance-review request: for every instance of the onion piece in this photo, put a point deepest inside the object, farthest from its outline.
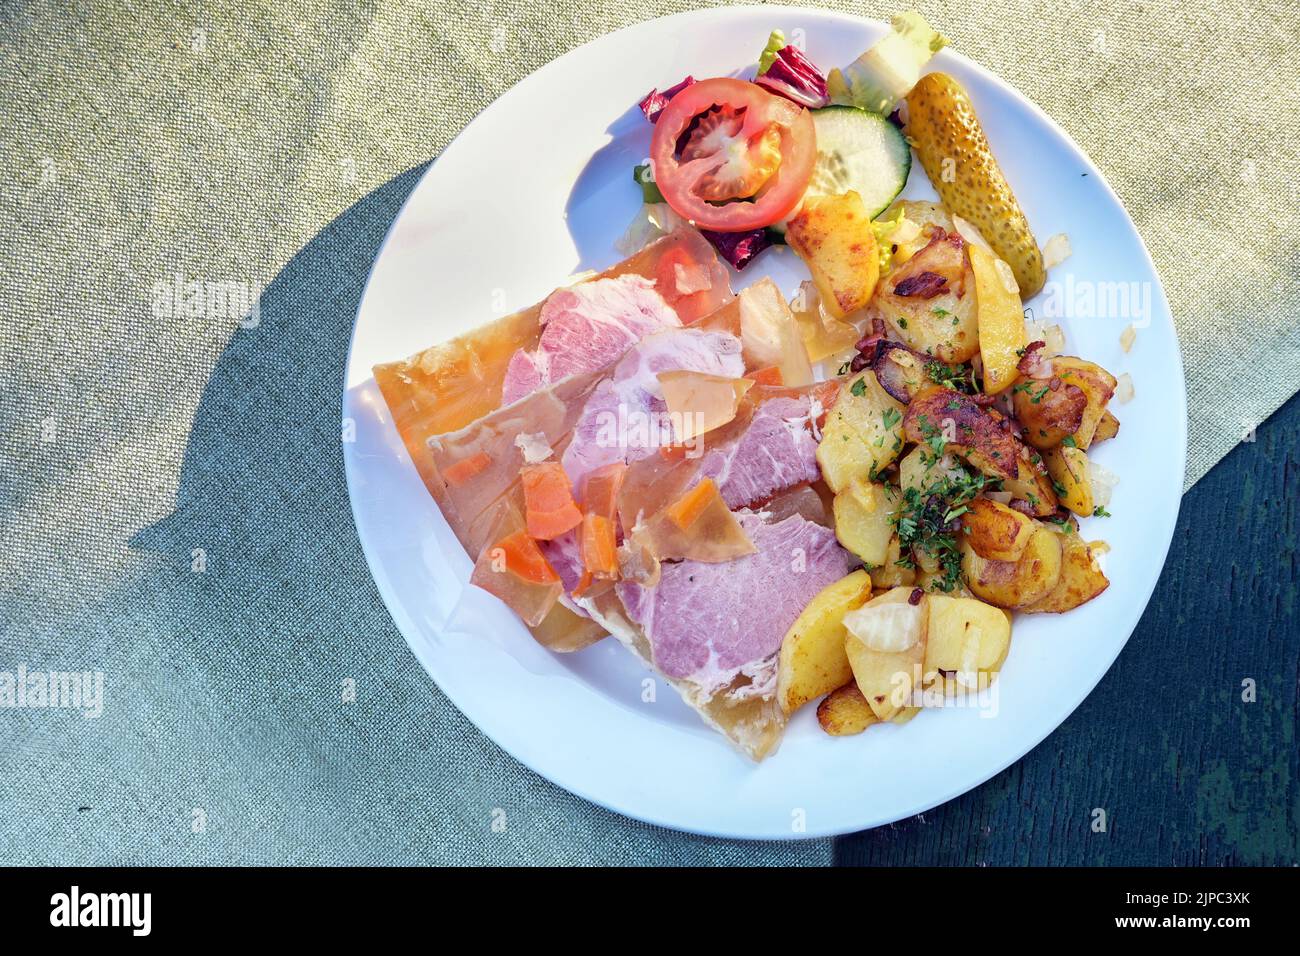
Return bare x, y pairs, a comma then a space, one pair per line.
1103, 482
1124, 388
886, 627
1127, 337
1056, 250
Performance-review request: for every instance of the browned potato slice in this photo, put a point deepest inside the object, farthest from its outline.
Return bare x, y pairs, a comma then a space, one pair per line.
1001, 320
1081, 579
995, 531
929, 301
902, 372
904, 715
969, 430
863, 432
1013, 584
833, 235
1108, 427
1069, 469
1048, 415
965, 636
1033, 486
845, 712
1096, 383
812, 660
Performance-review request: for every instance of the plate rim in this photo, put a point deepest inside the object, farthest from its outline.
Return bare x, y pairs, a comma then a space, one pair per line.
398, 612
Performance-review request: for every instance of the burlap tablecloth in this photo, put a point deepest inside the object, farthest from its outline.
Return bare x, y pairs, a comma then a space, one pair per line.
174, 511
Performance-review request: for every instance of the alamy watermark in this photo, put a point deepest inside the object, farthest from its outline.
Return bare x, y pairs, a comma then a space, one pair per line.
1085, 299
56, 690
220, 300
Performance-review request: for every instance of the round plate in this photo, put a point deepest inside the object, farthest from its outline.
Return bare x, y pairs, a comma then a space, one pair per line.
539, 187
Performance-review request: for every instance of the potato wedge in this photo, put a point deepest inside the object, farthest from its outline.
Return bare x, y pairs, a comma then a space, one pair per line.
1069, 470
812, 660
1033, 485
996, 531
904, 715
946, 133
1096, 383
864, 520
1108, 427
1000, 319
863, 432
890, 574
845, 712
833, 235
1081, 579
1014, 584
965, 637
886, 676
920, 468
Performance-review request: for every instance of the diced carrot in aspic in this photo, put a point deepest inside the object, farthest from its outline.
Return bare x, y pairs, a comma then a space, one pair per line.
597, 545
466, 468
523, 558
691, 505
767, 376
548, 502
673, 453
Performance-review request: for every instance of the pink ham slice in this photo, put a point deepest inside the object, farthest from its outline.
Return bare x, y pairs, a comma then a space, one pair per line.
587, 327
777, 451
711, 623
625, 417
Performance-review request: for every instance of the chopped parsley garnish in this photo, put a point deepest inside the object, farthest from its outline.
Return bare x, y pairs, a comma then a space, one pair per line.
928, 521
1100, 512
958, 378
1069, 442
859, 387
891, 417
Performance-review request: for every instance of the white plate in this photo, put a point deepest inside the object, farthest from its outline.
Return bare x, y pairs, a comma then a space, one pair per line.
538, 187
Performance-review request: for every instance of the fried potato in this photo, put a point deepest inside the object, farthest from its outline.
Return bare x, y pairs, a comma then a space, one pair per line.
812, 661
845, 712
1000, 319
1096, 383
1108, 427
1048, 414
1014, 584
863, 432
995, 531
929, 300
968, 429
1069, 470
864, 520
946, 133
965, 636
886, 675
1081, 579
833, 235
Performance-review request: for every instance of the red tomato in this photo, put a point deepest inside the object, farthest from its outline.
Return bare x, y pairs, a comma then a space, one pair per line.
745, 165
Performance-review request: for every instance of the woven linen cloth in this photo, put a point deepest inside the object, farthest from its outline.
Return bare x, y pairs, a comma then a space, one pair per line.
173, 501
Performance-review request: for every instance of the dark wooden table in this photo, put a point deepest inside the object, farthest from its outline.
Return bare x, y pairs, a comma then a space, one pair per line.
1187, 771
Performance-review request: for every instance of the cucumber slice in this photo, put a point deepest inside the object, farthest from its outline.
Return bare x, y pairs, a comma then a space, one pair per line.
860, 151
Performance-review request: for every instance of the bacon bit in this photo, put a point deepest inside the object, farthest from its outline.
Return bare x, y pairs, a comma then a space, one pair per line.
1019, 504
548, 502
1031, 363
915, 597
686, 509
466, 468
767, 376
925, 285
1054, 384
524, 559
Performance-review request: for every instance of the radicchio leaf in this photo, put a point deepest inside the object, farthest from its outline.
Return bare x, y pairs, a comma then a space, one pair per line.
654, 101
738, 248
795, 77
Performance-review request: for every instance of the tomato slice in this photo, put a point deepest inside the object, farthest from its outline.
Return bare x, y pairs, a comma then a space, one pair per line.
745, 165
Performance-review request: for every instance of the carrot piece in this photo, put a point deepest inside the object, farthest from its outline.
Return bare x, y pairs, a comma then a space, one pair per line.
686, 509
597, 545
767, 376
548, 502
466, 468
524, 558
